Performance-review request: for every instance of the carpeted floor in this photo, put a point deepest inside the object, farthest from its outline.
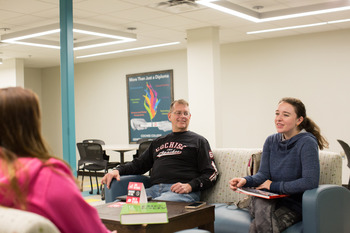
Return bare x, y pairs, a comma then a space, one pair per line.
93, 199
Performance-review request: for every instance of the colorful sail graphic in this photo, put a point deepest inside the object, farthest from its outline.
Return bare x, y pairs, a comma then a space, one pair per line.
151, 101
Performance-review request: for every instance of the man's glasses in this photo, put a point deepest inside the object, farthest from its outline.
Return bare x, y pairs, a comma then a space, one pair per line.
178, 113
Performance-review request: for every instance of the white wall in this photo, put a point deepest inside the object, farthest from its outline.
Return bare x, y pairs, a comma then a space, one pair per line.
100, 96
33, 80
255, 75
51, 109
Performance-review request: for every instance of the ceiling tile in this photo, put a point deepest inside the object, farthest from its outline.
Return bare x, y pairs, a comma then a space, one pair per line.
152, 25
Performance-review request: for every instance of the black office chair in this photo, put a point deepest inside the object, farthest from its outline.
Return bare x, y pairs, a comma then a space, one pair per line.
346, 149
91, 159
110, 165
144, 143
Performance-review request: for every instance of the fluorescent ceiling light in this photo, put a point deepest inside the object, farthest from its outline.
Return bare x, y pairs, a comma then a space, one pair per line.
29, 37
231, 9
339, 21
287, 28
299, 26
128, 50
245, 13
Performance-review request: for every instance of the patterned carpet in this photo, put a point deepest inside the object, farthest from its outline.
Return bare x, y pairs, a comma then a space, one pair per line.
93, 199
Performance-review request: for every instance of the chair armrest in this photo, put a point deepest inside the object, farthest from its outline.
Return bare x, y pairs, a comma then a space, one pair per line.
13, 220
119, 188
326, 209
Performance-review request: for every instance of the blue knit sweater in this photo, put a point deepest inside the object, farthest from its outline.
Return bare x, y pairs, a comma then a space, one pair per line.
292, 165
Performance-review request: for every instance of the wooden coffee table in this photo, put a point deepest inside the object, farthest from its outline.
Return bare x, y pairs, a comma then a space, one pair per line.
179, 219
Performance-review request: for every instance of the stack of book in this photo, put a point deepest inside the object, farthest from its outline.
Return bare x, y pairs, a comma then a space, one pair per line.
144, 213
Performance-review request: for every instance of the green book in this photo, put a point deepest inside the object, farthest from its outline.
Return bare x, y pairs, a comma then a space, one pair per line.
144, 213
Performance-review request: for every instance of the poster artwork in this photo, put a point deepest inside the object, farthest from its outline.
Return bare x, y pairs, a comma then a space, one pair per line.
149, 97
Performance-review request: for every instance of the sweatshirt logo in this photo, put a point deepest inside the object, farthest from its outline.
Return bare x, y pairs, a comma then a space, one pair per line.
170, 148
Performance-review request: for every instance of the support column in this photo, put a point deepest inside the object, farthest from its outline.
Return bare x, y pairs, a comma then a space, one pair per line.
12, 73
203, 60
67, 83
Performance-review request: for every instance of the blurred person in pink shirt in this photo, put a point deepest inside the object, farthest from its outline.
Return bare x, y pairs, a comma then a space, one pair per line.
33, 180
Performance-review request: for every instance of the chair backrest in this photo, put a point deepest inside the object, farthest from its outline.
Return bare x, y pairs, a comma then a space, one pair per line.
99, 141
91, 153
346, 149
144, 143
82, 153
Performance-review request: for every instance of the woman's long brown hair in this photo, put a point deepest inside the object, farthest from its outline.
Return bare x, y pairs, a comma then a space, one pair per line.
20, 127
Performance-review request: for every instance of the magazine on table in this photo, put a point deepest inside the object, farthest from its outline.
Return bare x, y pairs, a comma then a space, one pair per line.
260, 193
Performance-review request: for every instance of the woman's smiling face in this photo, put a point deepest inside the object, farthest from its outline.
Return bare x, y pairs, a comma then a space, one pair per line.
287, 121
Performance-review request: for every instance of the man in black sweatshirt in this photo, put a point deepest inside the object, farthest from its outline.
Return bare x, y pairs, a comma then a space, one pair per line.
182, 162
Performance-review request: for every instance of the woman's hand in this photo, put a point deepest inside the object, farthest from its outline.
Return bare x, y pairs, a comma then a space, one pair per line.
237, 183
265, 185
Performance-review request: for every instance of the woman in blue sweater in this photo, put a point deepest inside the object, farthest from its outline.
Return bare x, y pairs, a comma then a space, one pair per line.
289, 165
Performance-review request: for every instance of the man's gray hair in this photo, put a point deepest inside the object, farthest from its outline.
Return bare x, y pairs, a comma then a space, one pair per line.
179, 101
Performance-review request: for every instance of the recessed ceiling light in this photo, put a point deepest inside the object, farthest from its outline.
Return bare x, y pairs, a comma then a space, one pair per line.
128, 50
29, 36
299, 26
248, 14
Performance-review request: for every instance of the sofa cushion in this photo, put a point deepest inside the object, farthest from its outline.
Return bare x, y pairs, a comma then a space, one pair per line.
227, 216
330, 167
231, 163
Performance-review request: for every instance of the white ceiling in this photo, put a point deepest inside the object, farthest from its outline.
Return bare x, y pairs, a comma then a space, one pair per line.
153, 25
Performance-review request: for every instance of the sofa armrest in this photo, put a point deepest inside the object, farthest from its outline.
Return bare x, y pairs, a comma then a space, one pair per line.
119, 188
326, 209
14, 220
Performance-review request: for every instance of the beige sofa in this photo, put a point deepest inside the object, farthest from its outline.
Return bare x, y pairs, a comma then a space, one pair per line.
233, 162
324, 208
330, 201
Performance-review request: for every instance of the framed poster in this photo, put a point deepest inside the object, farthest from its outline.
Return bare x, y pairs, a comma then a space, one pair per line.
149, 98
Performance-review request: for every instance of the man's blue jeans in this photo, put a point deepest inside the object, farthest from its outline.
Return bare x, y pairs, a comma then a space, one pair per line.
163, 192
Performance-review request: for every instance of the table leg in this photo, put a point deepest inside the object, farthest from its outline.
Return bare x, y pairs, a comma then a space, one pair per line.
208, 227
121, 157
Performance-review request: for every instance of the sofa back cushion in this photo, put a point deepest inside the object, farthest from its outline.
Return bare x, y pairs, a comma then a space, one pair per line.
330, 167
233, 162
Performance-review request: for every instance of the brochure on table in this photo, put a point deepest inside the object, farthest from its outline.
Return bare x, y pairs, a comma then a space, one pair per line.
136, 193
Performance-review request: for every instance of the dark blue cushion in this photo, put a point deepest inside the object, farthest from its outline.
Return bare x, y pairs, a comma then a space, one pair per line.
230, 219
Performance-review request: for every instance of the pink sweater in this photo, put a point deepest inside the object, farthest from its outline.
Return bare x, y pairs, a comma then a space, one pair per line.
54, 195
